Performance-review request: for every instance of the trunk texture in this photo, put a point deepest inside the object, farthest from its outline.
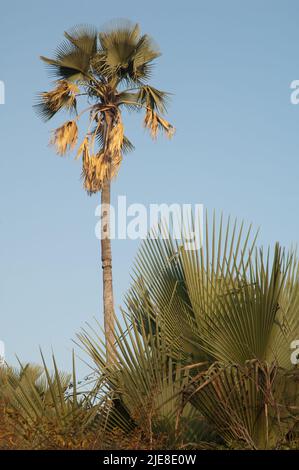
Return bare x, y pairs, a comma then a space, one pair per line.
107, 271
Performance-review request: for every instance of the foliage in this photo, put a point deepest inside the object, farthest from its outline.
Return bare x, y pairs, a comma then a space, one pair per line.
44, 410
202, 358
111, 69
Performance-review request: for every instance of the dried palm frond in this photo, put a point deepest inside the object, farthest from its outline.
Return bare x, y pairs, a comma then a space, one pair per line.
116, 138
126, 144
166, 127
115, 165
95, 170
62, 96
115, 146
65, 137
83, 149
153, 98
154, 122
97, 167
151, 122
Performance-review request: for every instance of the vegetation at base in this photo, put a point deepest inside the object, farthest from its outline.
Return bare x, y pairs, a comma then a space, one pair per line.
202, 358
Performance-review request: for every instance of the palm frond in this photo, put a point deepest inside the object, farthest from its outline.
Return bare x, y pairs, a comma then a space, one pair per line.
47, 410
128, 55
253, 406
84, 37
143, 384
72, 59
65, 138
63, 96
154, 123
154, 99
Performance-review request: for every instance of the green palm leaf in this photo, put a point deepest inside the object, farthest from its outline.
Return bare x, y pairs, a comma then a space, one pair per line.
72, 59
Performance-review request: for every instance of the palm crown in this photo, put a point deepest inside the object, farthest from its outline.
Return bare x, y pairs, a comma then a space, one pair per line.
112, 70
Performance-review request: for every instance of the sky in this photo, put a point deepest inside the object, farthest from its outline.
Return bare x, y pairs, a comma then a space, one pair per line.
228, 65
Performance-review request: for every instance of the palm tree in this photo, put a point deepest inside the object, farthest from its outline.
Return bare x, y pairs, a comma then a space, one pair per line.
111, 71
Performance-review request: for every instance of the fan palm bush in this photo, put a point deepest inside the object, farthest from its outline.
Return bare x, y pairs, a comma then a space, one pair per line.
236, 307
45, 410
207, 335
11, 380
254, 406
142, 391
202, 356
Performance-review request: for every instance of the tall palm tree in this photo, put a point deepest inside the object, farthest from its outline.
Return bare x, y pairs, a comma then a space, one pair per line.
111, 71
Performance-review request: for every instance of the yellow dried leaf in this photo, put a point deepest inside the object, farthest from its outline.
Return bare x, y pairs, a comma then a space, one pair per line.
65, 137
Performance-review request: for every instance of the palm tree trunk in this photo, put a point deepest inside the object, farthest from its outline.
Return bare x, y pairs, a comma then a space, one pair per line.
107, 271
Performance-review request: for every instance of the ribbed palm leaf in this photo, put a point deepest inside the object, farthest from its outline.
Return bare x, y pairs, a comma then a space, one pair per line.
254, 406
227, 302
47, 410
143, 389
228, 299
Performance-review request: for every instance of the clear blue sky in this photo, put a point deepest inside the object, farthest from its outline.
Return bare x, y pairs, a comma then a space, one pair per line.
229, 65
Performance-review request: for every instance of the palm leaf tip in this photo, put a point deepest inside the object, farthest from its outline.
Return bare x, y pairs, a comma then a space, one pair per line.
153, 98
126, 53
62, 96
83, 37
154, 123
127, 145
73, 57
